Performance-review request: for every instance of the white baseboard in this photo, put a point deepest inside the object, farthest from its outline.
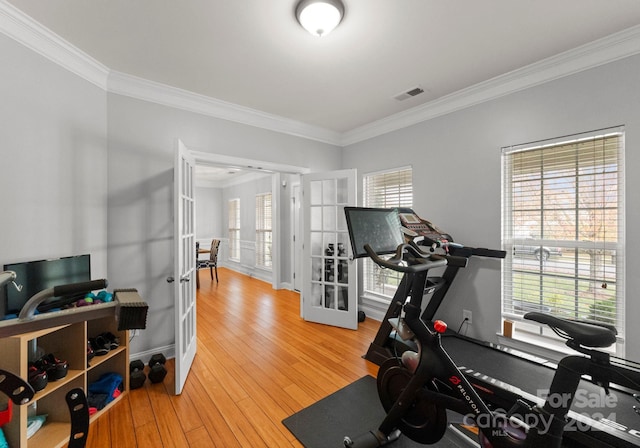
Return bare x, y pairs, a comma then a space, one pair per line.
258, 273
373, 308
168, 351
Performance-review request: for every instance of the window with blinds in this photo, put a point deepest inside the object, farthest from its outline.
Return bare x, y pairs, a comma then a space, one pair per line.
563, 228
385, 189
234, 229
263, 230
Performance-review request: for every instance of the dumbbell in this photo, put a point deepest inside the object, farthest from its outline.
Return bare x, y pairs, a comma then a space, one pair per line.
157, 370
136, 374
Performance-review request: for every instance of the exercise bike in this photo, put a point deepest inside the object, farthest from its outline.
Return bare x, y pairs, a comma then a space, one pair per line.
418, 388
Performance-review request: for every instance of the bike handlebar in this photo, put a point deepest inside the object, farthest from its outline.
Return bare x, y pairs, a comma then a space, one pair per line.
423, 261
445, 245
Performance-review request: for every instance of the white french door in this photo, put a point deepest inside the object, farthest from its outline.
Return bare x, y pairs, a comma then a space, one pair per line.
329, 291
297, 240
185, 258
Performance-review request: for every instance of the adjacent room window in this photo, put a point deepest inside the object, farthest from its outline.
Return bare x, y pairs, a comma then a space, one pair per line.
234, 229
563, 229
264, 232
386, 189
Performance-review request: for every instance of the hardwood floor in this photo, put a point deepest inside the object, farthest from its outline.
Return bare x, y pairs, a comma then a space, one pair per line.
257, 362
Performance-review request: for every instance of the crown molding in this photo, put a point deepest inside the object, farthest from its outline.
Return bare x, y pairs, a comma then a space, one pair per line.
25, 30
132, 86
603, 51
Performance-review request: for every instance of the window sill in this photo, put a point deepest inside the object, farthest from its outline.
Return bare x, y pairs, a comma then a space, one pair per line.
545, 346
527, 337
377, 298
374, 306
542, 346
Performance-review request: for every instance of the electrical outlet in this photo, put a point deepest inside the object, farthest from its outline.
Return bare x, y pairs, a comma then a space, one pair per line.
134, 333
466, 315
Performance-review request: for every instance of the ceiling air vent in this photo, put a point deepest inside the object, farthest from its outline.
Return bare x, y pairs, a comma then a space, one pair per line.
409, 94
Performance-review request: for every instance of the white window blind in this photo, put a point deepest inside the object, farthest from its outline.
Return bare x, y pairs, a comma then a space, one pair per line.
387, 189
263, 230
234, 229
563, 228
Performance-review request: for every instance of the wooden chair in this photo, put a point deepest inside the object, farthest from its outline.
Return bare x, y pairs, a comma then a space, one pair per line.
211, 263
198, 264
213, 258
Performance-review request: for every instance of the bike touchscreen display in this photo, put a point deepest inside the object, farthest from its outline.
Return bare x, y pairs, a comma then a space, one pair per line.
378, 227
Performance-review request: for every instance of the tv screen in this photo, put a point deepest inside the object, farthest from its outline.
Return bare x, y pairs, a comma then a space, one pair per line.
377, 227
34, 276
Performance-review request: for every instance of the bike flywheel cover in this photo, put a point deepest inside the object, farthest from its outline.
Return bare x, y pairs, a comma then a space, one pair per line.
424, 422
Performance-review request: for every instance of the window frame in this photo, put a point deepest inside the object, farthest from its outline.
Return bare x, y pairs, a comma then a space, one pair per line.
233, 228
264, 230
382, 283
585, 167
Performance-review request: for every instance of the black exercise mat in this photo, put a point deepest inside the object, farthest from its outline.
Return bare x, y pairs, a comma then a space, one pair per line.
353, 410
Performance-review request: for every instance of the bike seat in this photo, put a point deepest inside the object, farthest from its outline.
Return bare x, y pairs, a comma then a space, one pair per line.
585, 334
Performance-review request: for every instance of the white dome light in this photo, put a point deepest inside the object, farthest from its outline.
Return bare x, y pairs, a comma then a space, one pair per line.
319, 17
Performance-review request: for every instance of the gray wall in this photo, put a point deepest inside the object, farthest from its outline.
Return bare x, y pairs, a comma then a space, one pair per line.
53, 173
209, 223
142, 138
212, 216
85, 171
246, 192
457, 173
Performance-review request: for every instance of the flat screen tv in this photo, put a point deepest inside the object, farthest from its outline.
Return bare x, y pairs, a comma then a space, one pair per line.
377, 227
34, 276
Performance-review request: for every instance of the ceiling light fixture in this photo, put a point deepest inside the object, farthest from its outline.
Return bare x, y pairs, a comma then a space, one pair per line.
319, 17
